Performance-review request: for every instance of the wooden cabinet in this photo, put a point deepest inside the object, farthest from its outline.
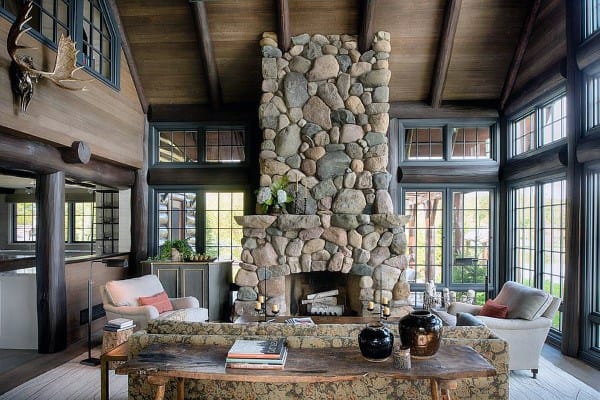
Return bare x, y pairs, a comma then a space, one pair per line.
208, 282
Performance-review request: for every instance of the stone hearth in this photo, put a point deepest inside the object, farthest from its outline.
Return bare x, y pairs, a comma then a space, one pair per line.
324, 120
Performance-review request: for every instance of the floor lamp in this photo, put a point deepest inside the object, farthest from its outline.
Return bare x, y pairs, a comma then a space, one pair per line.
111, 263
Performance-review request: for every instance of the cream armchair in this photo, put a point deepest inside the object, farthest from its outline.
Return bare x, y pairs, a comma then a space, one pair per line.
530, 315
121, 300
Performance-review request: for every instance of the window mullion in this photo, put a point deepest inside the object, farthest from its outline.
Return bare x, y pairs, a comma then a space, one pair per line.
200, 221
539, 240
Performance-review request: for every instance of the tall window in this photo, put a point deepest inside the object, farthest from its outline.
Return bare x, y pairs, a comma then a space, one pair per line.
88, 22
204, 219
24, 227
591, 261
199, 145
544, 125
538, 237
453, 249
593, 101
592, 17
82, 226
223, 234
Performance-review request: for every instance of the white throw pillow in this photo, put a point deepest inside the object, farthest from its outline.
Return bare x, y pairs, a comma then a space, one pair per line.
523, 301
127, 292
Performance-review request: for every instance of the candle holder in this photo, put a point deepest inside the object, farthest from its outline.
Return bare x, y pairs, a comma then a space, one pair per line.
261, 308
384, 309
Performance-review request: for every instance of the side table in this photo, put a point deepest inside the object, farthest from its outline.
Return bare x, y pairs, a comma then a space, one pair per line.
119, 353
111, 340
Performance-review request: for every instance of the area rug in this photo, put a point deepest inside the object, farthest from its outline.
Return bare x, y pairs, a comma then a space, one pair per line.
73, 381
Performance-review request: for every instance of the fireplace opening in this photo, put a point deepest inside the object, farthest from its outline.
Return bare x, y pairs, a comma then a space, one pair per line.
300, 286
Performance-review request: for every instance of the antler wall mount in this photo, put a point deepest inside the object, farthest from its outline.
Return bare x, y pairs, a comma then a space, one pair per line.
24, 76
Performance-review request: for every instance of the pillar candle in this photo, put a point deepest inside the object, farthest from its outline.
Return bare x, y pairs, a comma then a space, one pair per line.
384, 301
386, 311
371, 305
261, 298
275, 308
258, 305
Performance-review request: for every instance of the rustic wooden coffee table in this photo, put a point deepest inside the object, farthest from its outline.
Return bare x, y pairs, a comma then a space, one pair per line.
162, 362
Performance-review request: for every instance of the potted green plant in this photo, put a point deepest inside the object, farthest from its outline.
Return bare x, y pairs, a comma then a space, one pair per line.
183, 248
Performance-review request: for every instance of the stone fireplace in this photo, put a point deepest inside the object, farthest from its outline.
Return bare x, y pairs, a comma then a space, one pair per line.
324, 120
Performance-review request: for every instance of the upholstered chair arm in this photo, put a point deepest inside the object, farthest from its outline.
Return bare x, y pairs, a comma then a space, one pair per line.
457, 307
185, 302
149, 312
516, 324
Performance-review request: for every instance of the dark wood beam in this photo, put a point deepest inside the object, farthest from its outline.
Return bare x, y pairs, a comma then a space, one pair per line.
50, 263
365, 30
208, 176
129, 56
515, 64
588, 148
442, 62
420, 110
42, 158
283, 25
588, 55
573, 299
551, 79
207, 54
240, 112
538, 164
78, 153
139, 211
447, 174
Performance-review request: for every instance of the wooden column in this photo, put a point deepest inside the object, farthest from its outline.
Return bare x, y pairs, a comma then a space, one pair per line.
365, 30
283, 25
50, 263
573, 275
139, 211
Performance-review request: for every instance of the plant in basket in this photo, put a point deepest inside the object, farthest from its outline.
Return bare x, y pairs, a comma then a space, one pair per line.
272, 199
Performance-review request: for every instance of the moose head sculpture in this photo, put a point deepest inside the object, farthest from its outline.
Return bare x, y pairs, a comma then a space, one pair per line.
23, 74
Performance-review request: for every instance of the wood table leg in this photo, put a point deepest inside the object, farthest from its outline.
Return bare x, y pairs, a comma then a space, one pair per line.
180, 388
446, 386
435, 391
159, 382
103, 379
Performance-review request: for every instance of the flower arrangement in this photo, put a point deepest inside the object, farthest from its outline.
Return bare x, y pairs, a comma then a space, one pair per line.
274, 196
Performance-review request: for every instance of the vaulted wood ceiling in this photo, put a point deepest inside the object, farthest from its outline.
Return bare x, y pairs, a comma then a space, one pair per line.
482, 40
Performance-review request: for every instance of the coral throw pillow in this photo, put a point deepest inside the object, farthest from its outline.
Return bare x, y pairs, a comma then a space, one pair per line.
160, 301
493, 309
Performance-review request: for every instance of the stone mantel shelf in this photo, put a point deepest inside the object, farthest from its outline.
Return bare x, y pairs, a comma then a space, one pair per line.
298, 221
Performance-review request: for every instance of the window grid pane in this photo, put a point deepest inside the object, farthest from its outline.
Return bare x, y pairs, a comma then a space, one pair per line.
525, 235
524, 138
424, 144
592, 251
49, 18
223, 235
425, 234
593, 101
83, 221
554, 120
95, 53
177, 217
225, 145
470, 236
592, 17
471, 143
25, 222
178, 146
553, 232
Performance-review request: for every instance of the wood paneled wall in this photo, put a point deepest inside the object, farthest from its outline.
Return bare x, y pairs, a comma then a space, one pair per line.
110, 121
77, 275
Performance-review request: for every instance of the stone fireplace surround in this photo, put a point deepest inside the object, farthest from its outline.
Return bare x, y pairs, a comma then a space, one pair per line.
324, 120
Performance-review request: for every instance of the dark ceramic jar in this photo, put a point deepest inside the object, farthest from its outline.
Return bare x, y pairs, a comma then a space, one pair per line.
421, 331
376, 342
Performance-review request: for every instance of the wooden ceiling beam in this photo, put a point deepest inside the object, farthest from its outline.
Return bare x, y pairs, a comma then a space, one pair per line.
365, 30
442, 62
209, 61
135, 76
422, 110
517, 59
238, 112
283, 25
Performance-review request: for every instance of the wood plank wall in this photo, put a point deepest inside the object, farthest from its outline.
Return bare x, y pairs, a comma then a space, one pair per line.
110, 121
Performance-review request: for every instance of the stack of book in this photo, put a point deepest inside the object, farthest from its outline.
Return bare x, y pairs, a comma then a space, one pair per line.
118, 324
257, 354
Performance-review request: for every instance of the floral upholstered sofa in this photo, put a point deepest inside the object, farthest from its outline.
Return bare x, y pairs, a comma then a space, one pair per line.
371, 386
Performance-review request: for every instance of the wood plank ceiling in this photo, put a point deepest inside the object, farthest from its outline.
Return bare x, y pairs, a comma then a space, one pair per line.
164, 43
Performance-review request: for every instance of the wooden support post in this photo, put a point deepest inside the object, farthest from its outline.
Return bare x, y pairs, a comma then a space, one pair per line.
283, 25
365, 30
50, 263
139, 211
159, 382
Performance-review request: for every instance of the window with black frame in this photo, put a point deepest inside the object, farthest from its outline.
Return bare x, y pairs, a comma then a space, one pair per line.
24, 222
591, 260
537, 236
449, 237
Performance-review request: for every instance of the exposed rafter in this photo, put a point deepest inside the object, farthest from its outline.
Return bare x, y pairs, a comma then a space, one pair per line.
442, 62
365, 31
515, 64
129, 56
283, 25
208, 57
